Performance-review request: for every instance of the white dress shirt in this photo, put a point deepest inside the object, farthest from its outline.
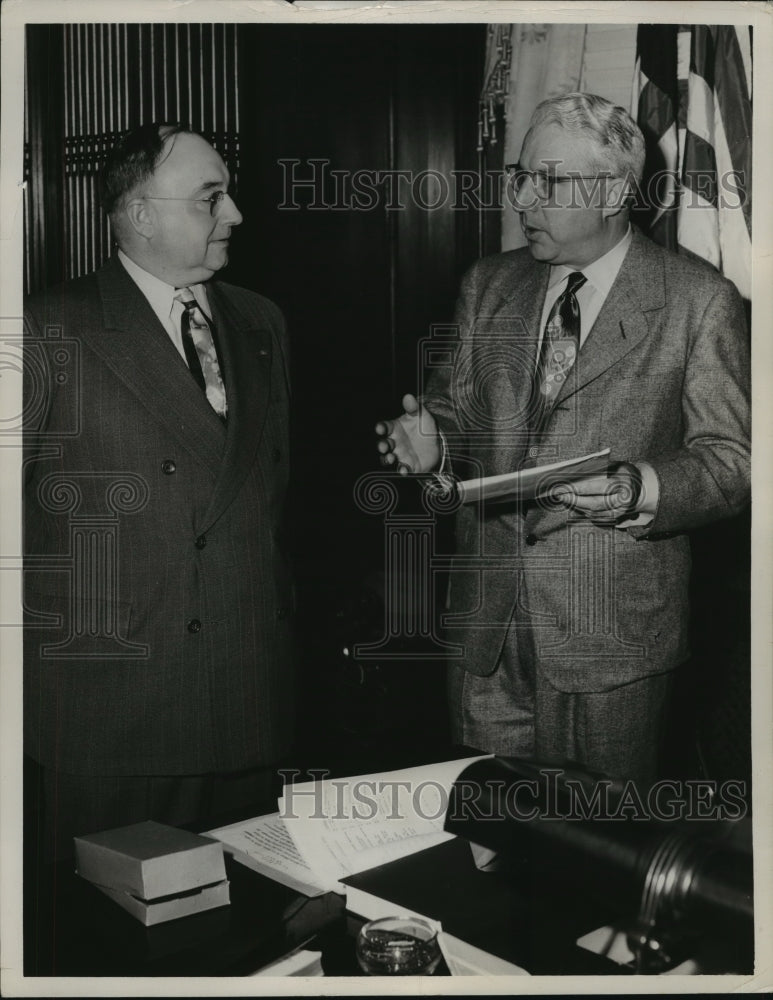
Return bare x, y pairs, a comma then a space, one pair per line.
161, 298
600, 276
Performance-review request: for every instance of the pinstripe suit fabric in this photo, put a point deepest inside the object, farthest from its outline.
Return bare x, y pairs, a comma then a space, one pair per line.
198, 542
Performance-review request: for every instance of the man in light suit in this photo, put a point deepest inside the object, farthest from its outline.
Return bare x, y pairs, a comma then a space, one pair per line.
159, 667
571, 611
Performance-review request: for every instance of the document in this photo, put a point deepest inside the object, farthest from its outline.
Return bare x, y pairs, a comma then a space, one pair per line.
300, 963
464, 959
531, 484
348, 825
326, 830
264, 845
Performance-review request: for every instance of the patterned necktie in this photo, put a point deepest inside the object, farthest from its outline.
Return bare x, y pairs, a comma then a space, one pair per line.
558, 352
200, 352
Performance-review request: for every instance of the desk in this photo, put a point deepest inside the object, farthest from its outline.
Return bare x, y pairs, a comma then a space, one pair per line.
72, 929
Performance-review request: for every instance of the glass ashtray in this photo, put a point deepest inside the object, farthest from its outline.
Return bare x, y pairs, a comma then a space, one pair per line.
398, 946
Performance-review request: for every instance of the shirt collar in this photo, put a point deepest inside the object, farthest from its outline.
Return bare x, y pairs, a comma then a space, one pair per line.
159, 294
600, 273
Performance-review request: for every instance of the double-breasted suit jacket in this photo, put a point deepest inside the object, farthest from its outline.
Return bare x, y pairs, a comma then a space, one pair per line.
157, 595
663, 377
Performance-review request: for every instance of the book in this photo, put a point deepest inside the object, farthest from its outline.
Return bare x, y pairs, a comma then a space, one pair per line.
533, 483
328, 829
156, 911
155, 872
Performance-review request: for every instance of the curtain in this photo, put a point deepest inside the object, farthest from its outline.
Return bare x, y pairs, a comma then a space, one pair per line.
544, 60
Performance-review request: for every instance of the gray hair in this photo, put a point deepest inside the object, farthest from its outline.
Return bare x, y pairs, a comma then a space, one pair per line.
612, 128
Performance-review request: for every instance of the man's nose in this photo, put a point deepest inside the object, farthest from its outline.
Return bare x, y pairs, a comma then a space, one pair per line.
525, 198
229, 213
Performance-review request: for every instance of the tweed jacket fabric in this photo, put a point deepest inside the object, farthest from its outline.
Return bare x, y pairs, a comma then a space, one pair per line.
158, 601
662, 377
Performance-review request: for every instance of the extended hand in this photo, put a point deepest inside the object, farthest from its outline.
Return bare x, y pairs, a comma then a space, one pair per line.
606, 499
410, 443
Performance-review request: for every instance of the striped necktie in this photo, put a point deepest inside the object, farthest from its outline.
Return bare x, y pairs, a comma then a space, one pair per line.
200, 352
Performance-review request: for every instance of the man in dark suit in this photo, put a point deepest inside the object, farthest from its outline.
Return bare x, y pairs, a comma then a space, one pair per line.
159, 668
571, 612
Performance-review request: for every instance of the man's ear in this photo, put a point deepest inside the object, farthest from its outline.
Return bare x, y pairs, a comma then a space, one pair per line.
141, 217
618, 196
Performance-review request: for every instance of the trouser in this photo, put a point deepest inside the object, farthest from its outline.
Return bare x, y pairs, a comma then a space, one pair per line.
516, 713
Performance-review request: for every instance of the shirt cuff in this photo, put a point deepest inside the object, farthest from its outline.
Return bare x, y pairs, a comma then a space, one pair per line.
442, 475
444, 460
648, 501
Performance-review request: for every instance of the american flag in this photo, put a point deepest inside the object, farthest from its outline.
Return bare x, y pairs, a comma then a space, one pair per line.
692, 100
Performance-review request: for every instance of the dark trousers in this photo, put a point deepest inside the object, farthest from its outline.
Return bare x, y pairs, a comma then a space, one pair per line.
60, 806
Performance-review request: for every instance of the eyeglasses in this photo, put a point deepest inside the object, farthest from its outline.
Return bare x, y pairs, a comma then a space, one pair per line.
544, 182
214, 201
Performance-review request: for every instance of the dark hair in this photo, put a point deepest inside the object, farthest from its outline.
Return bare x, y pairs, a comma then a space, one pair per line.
133, 159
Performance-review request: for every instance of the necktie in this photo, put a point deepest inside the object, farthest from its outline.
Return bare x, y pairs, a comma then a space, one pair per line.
200, 352
558, 352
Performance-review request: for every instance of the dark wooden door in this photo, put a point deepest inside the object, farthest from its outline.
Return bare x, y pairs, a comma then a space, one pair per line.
350, 139
327, 112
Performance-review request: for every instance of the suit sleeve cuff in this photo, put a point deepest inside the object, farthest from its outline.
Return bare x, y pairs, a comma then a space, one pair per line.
648, 501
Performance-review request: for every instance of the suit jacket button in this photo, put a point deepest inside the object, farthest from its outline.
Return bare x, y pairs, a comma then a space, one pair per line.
277, 455
531, 539
168, 467
194, 625
201, 542
281, 613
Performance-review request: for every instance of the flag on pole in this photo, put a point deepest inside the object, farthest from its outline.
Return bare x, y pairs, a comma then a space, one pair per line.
692, 98
655, 106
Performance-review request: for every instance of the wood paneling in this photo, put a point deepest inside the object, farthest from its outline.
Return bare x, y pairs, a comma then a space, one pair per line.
44, 238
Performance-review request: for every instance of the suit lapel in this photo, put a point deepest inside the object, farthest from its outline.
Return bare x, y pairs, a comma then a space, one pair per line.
246, 349
137, 349
522, 300
504, 350
622, 323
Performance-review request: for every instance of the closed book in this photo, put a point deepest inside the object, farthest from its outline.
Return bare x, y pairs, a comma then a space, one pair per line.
155, 872
156, 911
